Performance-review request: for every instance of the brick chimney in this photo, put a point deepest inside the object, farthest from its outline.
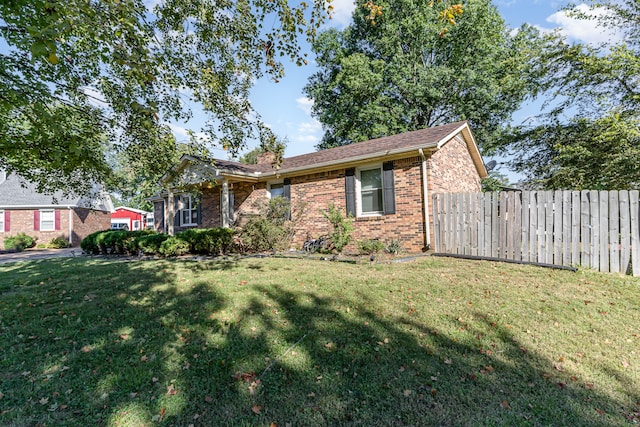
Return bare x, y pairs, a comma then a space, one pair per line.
266, 158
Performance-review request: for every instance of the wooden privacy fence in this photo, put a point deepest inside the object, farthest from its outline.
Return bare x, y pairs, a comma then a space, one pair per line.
592, 229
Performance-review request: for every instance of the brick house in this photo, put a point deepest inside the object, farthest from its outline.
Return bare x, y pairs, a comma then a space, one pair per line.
385, 184
47, 216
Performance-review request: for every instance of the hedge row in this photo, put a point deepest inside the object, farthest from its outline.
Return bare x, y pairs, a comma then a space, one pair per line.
206, 241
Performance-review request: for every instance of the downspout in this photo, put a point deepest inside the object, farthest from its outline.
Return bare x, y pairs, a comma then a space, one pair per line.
425, 202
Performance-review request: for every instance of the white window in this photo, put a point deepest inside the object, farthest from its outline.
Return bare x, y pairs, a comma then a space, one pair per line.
370, 194
188, 210
1, 220
136, 225
276, 189
47, 220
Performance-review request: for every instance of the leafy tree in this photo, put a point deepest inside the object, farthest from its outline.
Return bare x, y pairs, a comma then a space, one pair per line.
588, 136
81, 78
399, 71
495, 181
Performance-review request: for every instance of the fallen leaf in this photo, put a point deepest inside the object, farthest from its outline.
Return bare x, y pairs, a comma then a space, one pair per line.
273, 425
407, 393
208, 399
144, 358
162, 411
171, 390
311, 395
256, 409
434, 392
448, 361
43, 401
328, 345
505, 405
600, 411
154, 380
243, 282
1, 395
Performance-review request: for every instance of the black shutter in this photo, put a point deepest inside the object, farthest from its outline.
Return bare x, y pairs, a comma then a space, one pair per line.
350, 190
388, 190
286, 192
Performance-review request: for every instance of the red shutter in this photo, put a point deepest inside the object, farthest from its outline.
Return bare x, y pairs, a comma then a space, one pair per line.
36, 220
57, 220
7, 221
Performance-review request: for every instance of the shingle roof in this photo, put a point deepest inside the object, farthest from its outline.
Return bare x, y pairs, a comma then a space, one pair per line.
370, 148
15, 192
361, 151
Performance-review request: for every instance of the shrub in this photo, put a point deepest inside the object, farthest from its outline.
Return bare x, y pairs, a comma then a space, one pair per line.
370, 246
58, 243
89, 244
271, 229
174, 246
209, 241
19, 242
150, 243
342, 228
394, 247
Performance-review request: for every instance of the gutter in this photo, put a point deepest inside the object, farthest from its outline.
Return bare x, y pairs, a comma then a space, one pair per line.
425, 201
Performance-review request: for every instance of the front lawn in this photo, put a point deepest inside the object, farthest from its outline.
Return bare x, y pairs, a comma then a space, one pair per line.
278, 341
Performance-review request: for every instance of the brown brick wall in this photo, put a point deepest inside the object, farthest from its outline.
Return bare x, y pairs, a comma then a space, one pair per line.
84, 221
450, 169
317, 191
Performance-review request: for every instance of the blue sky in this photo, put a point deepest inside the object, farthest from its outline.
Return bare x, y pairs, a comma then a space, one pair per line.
284, 107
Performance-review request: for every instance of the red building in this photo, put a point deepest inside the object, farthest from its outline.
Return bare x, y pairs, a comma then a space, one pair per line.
124, 218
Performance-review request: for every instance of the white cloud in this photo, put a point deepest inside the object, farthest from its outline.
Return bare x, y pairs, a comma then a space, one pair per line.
305, 104
307, 139
342, 10
310, 127
584, 30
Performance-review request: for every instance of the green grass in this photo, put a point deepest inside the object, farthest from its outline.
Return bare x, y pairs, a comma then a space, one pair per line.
301, 343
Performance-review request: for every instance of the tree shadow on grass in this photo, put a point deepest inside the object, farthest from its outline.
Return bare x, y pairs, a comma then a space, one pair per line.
145, 348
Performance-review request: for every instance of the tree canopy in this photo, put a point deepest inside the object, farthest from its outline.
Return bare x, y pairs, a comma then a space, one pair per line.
396, 69
588, 136
82, 79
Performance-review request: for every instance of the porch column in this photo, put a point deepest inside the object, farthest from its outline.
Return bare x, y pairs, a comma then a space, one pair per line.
224, 204
170, 212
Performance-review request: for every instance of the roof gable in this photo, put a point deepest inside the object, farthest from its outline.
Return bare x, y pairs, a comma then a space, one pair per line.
15, 192
394, 145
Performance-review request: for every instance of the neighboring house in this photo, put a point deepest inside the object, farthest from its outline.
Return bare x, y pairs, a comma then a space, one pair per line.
48, 216
385, 184
130, 218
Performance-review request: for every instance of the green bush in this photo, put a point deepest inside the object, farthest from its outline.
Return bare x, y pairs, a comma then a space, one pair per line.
208, 241
270, 230
150, 243
19, 242
89, 244
370, 246
120, 242
58, 243
394, 247
174, 246
342, 228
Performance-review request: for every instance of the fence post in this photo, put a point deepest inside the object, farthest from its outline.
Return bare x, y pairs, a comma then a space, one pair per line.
625, 232
634, 208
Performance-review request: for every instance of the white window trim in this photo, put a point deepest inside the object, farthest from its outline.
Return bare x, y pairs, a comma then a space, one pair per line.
181, 209
269, 184
359, 212
1, 220
42, 221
